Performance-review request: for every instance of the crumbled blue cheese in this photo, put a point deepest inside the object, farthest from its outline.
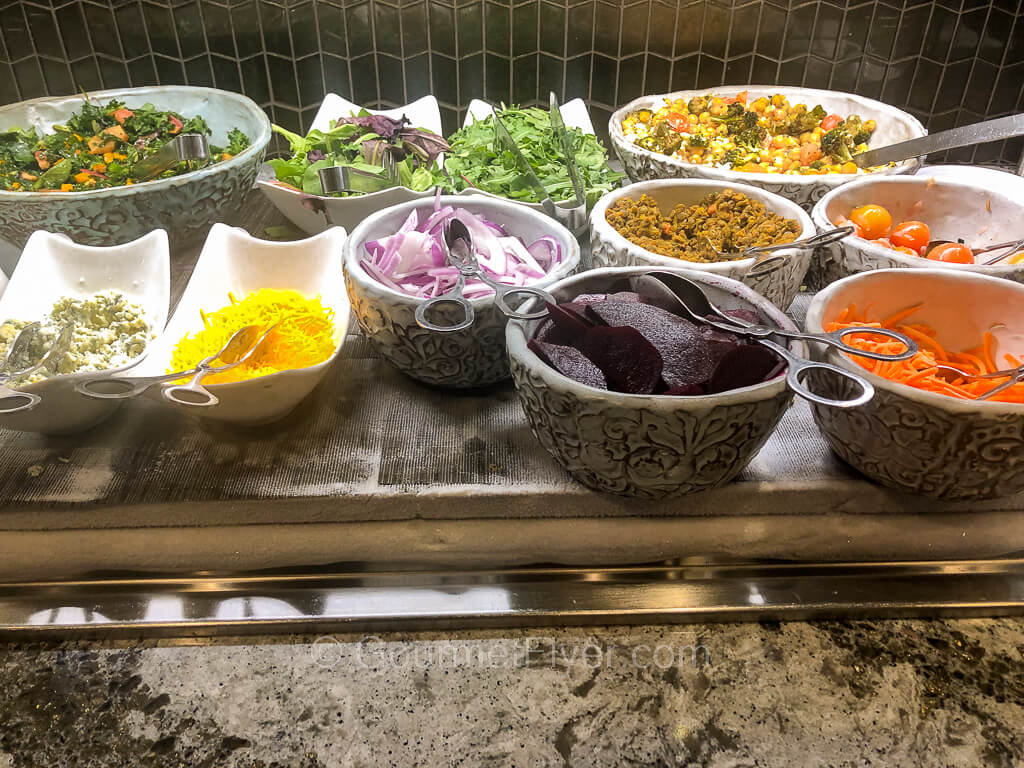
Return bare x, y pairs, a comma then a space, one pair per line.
109, 331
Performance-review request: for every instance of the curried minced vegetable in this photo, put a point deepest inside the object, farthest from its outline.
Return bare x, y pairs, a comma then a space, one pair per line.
304, 336
730, 220
474, 161
768, 135
921, 370
109, 331
98, 147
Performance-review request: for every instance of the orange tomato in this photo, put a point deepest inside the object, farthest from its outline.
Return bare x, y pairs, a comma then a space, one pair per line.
906, 250
911, 234
830, 122
953, 253
882, 242
677, 122
873, 220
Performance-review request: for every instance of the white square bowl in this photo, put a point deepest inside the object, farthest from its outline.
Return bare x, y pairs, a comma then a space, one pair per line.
53, 266
307, 212
233, 261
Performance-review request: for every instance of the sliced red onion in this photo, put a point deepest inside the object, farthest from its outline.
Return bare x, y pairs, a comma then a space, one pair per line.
412, 260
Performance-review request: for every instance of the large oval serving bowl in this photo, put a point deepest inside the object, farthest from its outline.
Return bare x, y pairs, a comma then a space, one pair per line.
610, 249
951, 209
647, 446
919, 441
185, 205
894, 125
473, 357
54, 267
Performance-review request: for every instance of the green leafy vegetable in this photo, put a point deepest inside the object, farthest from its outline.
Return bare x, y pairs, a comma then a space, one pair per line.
474, 160
361, 142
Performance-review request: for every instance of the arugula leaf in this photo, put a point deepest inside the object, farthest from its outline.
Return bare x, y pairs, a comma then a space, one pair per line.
475, 160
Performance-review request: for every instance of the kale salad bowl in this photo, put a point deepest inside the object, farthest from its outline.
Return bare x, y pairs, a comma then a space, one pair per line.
79, 182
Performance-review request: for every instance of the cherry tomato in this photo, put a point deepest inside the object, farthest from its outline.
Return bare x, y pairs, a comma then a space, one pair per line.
954, 253
830, 122
873, 220
911, 234
882, 242
677, 122
904, 249
857, 231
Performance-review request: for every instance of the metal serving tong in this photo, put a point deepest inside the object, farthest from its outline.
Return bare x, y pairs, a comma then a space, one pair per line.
1016, 375
188, 147
340, 178
240, 347
768, 261
680, 292
574, 216
11, 400
461, 253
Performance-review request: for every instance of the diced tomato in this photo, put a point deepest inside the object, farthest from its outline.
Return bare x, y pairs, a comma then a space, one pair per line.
178, 125
678, 122
41, 160
123, 114
830, 122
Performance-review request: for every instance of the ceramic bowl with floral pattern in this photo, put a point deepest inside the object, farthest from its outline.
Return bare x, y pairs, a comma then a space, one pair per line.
185, 205
647, 446
474, 357
610, 249
894, 125
918, 441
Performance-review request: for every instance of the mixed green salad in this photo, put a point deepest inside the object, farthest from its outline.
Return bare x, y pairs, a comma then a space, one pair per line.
474, 161
471, 160
98, 147
362, 142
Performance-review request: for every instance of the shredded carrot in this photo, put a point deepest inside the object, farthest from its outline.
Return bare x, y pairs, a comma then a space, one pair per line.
303, 337
921, 370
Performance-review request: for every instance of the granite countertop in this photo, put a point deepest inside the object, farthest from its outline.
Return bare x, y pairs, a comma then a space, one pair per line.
858, 693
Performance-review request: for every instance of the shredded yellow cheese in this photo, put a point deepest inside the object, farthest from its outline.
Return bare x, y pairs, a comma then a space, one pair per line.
303, 337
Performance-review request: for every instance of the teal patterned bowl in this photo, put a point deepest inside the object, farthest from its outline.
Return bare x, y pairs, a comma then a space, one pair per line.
185, 205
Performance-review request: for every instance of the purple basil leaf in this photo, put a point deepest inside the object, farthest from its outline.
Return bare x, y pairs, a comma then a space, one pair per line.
315, 154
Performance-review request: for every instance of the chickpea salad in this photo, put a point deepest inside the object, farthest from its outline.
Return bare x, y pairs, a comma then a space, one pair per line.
766, 135
98, 147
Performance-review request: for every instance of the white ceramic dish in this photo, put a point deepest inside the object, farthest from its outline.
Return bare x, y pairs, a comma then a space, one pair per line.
610, 249
951, 209
893, 125
473, 357
234, 261
185, 205
919, 441
1003, 182
313, 213
53, 266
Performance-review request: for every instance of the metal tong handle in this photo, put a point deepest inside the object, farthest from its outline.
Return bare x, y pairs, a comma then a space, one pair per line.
13, 401
1008, 249
796, 371
452, 297
123, 387
835, 340
772, 260
182, 148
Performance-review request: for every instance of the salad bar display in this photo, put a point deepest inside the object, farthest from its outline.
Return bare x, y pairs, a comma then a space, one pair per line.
659, 388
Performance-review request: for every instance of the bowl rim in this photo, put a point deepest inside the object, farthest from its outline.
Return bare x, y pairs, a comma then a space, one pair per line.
619, 140
821, 222
516, 341
600, 228
256, 146
351, 251
813, 324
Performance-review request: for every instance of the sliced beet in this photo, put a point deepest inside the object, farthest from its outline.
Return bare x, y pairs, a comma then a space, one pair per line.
566, 327
570, 362
690, 390
689, 352
743, 366
578, 309
629, 362
625, 296
589, 298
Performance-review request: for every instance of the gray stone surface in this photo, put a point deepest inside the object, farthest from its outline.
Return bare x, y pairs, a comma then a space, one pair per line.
908, 693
